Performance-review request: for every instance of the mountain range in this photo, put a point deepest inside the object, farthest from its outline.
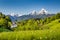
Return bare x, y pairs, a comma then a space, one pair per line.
41, 14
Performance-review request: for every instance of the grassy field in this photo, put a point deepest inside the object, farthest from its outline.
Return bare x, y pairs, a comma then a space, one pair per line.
53, 33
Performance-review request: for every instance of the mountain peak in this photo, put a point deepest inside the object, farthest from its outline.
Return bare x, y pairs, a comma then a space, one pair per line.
43, 11
33, 12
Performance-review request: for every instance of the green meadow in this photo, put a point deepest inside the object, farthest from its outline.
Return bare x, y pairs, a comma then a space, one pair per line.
48, 34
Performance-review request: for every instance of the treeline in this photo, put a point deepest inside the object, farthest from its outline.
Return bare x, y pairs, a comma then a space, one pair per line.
51, 18
5, 22
35, 24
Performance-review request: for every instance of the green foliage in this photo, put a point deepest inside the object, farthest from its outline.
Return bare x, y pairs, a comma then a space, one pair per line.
31, 24
50, 34
4, 30
4, 21
2, 15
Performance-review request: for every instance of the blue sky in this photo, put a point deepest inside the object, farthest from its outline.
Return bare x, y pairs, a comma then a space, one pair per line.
27, 6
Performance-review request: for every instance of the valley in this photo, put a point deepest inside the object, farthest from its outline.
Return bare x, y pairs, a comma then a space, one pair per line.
30, 29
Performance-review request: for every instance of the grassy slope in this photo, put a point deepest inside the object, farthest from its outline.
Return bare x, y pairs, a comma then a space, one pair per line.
53, 33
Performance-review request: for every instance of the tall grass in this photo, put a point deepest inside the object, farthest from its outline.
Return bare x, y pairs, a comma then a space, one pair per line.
31, 35
48, 34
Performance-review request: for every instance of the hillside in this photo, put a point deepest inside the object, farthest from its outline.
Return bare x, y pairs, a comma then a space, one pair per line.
32, 29
47, 34
35, 24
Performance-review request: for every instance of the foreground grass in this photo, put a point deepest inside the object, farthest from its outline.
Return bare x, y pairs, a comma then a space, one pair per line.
31, 35
48, 34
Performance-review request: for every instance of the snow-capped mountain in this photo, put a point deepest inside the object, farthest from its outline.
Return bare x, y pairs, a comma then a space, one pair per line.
42, 11
33, 12
41, 14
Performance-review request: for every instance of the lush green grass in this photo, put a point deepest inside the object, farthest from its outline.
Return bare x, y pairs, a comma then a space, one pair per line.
52, 33
4, 30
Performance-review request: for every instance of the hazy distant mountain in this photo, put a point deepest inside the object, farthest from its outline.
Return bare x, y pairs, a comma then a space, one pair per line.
41, 14
13, 18
25, 17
